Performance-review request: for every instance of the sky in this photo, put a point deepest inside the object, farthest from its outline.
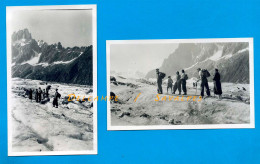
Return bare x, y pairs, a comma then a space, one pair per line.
70, 27
139, 57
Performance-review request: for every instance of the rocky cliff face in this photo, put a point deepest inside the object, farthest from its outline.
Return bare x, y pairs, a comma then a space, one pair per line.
23, 46
22, 34
232, 60
40, 61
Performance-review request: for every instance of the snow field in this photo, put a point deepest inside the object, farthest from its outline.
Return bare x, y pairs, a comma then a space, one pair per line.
41, 127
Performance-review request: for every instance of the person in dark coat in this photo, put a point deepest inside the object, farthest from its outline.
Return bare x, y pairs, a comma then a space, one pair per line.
30, 94
26, 91
40, 94
177, 84
204, 82
44, 93
36, 95
184, 77
159, 82
217, 84
55, 99
47, 90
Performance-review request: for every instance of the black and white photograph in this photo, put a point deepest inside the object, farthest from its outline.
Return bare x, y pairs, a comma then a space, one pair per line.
51, 73
180, 84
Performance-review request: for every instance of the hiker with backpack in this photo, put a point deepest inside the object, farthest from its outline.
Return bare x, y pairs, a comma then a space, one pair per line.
177, 84
169, 83
184, 77
203, 75
55, 99
217, 84
159, 76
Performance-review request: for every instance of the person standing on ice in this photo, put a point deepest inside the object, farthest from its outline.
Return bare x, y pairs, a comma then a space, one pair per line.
169, 83
55, 99
40, 94
159, 76
203, 75
217, 84
36, 95
184, 77
177, 84
47, 90
30, 94
44, 93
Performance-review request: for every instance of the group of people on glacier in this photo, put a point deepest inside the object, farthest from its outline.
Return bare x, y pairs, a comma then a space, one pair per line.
41, 95
179, 82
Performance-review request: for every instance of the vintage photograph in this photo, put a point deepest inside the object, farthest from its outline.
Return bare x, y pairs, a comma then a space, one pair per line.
52, 70
180, 84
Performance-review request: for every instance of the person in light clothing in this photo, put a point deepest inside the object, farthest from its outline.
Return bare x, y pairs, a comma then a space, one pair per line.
169, 83
177, 84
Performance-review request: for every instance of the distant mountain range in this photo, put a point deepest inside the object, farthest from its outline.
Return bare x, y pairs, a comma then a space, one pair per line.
232, 60
37, 60
130, 74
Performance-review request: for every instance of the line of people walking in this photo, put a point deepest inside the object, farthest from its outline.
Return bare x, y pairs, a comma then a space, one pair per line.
181, 80
39, 94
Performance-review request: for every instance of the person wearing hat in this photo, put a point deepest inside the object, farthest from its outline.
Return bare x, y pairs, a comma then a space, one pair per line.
159, 81
177, 84
169, 83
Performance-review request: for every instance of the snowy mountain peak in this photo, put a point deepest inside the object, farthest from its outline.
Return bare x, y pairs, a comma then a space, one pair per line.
228, 57
41, 61
21, 34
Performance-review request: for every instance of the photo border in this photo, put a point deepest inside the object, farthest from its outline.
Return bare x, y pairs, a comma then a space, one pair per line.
204, 126
92, 7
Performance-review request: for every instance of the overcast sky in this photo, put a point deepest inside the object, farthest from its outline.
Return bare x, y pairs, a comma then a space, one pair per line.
139, 57
70, 27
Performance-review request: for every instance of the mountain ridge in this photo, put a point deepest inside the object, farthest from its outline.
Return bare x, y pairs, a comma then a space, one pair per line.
40, 61
227, 57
